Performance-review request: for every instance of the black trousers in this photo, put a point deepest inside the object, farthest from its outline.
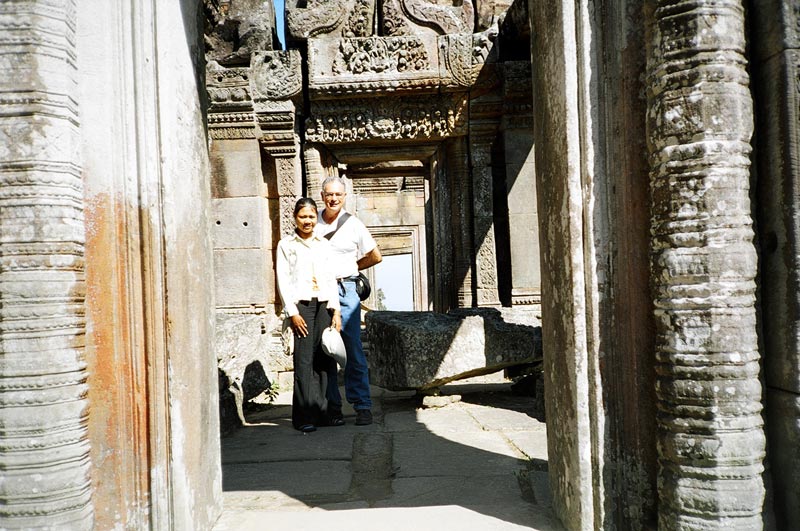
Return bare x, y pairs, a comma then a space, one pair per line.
311, 367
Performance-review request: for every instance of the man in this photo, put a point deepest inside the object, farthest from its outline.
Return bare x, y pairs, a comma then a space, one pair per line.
354, 249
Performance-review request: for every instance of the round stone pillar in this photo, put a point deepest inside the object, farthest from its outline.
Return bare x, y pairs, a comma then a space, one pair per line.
700, 121
44, 450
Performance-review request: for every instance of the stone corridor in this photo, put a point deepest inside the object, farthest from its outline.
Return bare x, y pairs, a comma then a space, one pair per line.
476, 461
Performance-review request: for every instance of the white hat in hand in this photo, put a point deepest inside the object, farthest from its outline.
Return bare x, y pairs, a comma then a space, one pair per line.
333, 345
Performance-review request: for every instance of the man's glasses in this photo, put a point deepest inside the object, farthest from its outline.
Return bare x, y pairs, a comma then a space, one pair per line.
333, 194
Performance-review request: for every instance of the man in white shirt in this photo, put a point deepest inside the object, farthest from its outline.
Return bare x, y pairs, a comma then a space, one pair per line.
354, 249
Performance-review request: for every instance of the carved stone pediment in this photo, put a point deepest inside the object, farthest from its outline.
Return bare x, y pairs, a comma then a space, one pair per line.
339, 18
444, 19
406, 17
275, 75
431, 117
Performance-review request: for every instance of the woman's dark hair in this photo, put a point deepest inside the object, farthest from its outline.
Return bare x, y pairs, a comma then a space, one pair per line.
304, 202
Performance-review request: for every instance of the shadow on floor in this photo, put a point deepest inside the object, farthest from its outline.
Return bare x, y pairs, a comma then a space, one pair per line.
485, 453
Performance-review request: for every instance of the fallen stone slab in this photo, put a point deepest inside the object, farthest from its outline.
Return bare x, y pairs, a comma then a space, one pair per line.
421, 350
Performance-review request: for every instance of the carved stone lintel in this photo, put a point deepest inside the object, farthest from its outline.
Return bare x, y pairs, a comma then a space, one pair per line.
44, 449
423, 118
711, 440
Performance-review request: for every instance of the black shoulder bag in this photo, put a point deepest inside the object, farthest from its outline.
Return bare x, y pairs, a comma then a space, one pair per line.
362, 284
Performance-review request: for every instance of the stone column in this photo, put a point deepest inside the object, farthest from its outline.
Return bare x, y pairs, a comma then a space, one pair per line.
44, 451
710, 441
457, 175
483, 221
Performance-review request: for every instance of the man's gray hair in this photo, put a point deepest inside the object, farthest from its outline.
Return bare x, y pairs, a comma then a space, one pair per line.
333, 179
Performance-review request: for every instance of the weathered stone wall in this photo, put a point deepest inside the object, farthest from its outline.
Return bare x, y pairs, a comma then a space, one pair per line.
775, 37
153, 419
520, 184
710, 441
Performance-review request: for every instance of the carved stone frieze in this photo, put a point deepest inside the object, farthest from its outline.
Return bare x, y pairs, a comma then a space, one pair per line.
372, 64
444, 19
711, 440
275, 75
379, 55
44, 447
359, 119
318, 17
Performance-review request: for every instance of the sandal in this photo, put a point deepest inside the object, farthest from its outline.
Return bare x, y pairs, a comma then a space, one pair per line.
307, 428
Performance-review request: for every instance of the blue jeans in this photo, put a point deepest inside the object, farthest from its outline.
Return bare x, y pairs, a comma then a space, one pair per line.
356, 372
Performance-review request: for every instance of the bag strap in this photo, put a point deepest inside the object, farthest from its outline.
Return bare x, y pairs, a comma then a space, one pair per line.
344, 217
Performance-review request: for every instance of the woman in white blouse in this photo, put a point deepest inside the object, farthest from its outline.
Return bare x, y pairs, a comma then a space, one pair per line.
310, 298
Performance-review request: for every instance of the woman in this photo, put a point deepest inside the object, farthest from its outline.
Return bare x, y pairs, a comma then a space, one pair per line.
310, 300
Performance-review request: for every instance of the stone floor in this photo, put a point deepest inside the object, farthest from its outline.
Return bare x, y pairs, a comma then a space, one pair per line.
478, 462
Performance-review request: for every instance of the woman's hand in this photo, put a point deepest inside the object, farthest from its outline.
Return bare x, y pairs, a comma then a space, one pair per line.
336, 321
299, 325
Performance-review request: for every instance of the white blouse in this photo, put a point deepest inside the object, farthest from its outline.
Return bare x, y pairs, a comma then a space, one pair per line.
303, 271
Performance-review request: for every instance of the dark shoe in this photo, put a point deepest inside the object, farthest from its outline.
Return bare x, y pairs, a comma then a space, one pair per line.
336, 421
363, 417
307, 428
335, 417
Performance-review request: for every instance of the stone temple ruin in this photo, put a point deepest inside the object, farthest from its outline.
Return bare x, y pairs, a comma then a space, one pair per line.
425, 108
626, 170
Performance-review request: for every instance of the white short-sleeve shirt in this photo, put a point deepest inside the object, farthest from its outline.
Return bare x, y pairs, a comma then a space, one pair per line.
349, 245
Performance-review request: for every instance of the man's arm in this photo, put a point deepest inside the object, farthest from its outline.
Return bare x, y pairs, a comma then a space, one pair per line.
370, 259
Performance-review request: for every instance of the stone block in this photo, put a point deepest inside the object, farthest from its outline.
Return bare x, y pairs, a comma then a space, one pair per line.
419, 350
240, 223
236, 169
243, 277
783, 433
249, 359
521, 187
